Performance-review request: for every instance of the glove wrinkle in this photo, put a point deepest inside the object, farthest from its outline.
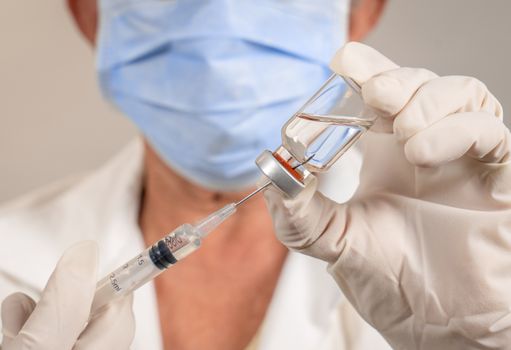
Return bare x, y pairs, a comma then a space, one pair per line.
118, 318
389, 92
439, 98
16, 309
346, 273
499, 153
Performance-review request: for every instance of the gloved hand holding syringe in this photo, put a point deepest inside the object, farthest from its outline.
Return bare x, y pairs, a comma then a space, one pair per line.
167, 251
313, 139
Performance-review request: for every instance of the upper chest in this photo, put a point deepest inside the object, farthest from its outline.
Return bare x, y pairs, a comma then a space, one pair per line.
222, 300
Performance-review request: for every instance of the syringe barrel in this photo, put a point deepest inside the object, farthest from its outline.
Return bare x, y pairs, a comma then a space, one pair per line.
146, 266
124, 279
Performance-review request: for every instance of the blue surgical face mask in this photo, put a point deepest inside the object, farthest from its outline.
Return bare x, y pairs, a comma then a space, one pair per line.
210, 82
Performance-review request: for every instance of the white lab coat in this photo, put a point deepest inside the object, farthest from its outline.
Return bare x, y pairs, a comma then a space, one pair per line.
307, 311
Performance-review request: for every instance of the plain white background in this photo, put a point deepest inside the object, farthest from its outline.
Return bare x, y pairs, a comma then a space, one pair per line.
54, 123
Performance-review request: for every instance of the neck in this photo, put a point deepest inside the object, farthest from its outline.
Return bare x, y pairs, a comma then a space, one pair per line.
170, 200
239, 263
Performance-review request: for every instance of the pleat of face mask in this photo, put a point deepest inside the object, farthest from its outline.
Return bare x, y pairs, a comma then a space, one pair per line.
210, 83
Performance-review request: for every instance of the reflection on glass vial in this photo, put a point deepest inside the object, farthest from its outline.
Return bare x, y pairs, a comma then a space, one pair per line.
319, 140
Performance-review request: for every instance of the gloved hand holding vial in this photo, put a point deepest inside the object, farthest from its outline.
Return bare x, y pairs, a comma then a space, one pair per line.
422, 250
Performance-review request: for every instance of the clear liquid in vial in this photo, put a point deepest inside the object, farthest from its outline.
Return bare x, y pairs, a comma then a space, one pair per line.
322, 139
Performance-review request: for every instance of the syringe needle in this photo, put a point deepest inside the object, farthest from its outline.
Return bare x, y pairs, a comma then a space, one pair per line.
237, 204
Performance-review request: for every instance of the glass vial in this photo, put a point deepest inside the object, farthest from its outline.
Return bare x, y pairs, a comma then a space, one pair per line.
320, 132
326, 126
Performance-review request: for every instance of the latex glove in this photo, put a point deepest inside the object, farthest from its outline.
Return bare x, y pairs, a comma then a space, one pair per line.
59, 320
423, 249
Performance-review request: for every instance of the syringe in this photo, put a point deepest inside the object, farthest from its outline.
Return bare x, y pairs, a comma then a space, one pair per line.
154, 260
